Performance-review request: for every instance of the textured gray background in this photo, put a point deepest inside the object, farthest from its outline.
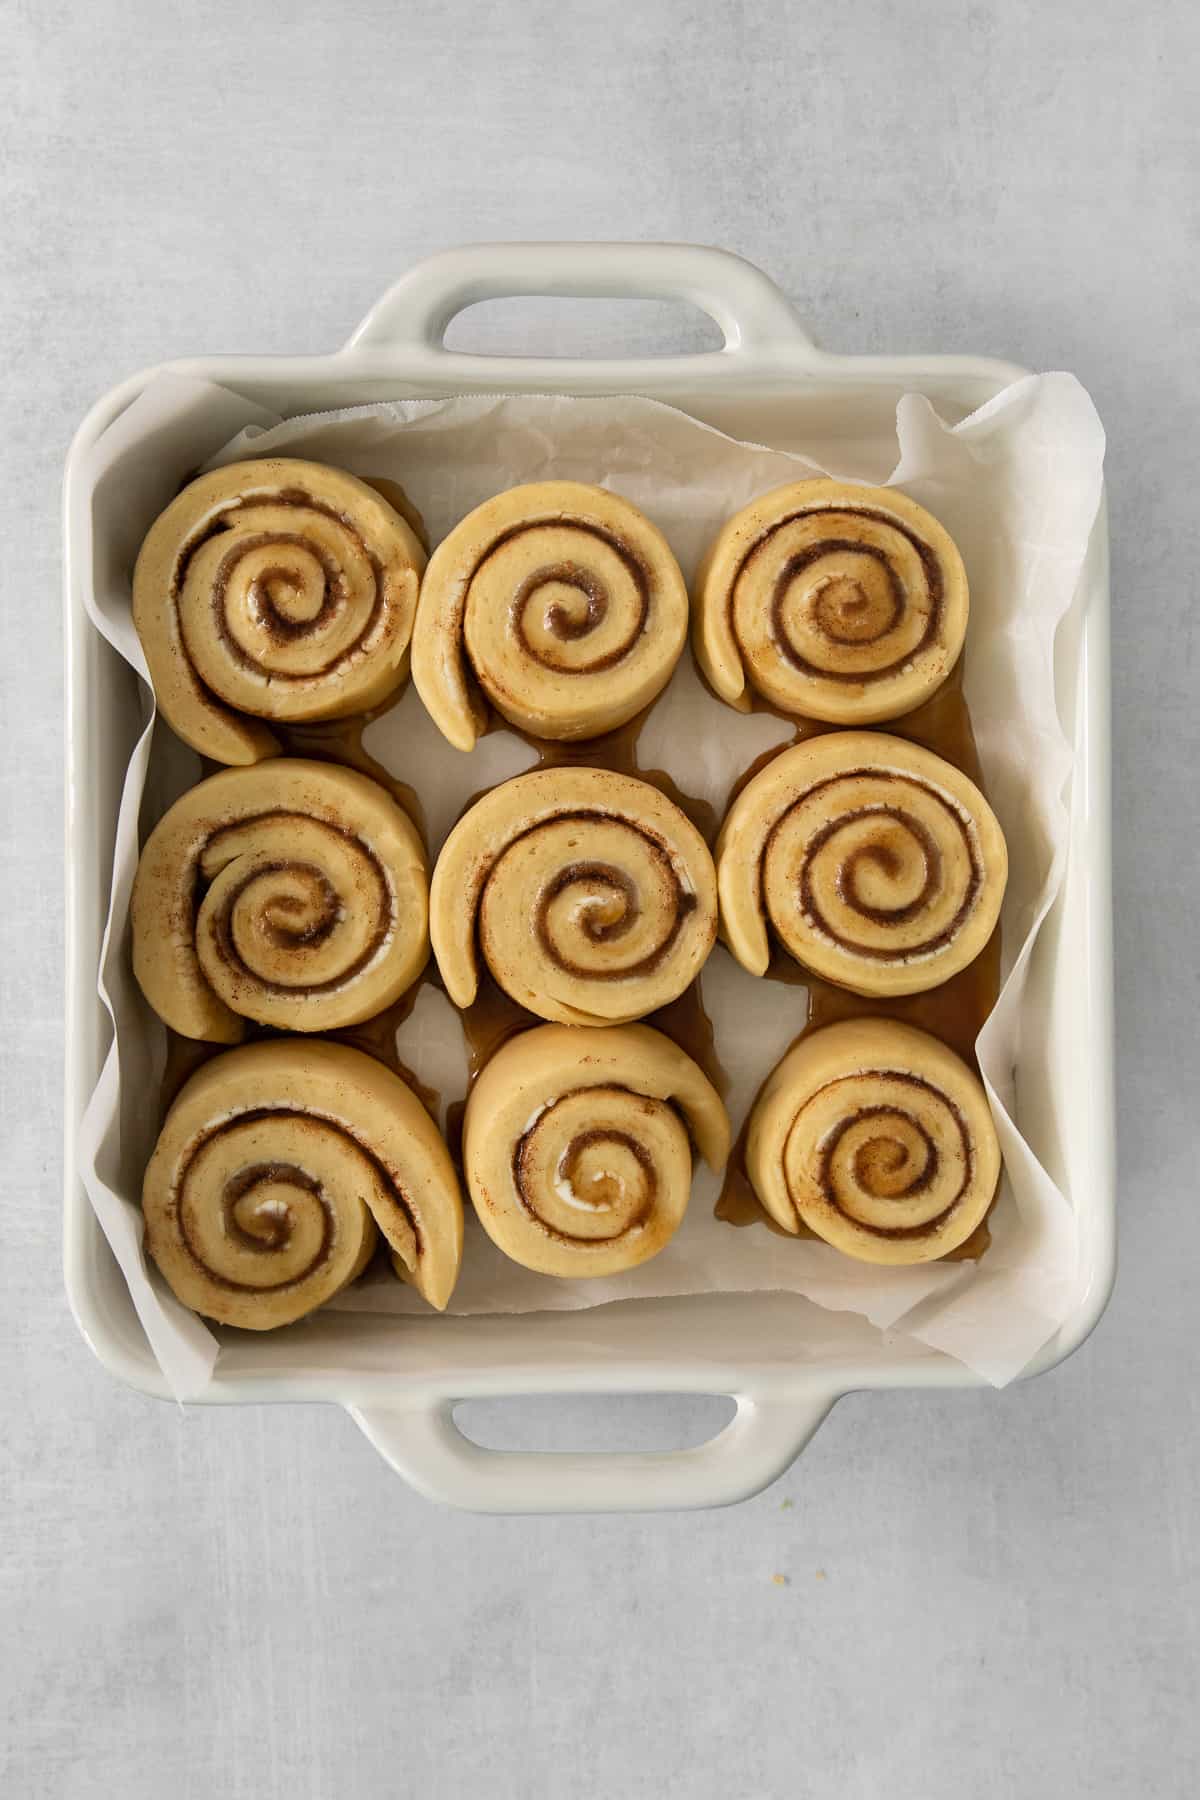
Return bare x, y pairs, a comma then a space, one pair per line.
990, 1595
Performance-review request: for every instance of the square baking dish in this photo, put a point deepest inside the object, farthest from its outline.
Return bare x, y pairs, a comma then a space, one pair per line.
768, 384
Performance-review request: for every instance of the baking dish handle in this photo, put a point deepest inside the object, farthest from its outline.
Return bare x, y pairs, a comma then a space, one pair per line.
424, 1445
752, 314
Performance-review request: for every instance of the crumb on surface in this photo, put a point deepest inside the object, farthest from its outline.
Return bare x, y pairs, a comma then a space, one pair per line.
780, 1580
821, 1576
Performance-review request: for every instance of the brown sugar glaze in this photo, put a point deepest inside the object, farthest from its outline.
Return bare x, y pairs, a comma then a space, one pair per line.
954, 1012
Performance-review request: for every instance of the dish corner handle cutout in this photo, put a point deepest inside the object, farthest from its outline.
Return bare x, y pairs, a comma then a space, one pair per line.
753, 315
424, 1445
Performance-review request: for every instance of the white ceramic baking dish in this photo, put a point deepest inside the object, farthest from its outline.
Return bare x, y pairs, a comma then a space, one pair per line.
771, 385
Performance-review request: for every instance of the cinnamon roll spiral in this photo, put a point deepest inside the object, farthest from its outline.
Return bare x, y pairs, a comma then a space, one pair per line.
293, 893
879, 866
280, 589
879, 1139
558, 602
576, 1146
274, 1168
593, 896
839, 602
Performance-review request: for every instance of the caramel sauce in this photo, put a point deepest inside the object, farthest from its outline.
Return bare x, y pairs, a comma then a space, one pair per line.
737, 1203
942, 724
184, 1056
375, 1037
687, 1024
341, 741
490, 1020
487, 1024
616, 750
954, 1012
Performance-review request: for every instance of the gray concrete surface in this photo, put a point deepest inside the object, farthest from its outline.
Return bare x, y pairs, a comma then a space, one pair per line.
991, 1596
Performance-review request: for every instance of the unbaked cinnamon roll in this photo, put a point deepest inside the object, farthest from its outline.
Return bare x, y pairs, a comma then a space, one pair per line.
879, 1139
833, 601
274, 1168
558, 602
592, 896
280, 589
293, 893
878, 865
576, 1146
